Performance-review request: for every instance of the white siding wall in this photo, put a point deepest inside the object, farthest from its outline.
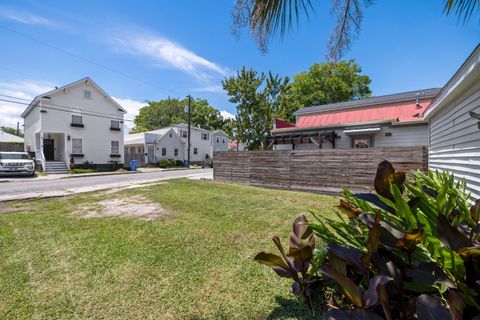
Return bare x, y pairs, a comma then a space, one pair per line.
401, 136
203, 146
170, 143
31, 125
222, 144
96, 134
455, 139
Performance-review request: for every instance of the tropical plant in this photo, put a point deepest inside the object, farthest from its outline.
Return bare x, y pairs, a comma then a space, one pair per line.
411, 248
265, 18
295, 262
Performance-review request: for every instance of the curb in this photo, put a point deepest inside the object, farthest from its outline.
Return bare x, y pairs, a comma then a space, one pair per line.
74, 176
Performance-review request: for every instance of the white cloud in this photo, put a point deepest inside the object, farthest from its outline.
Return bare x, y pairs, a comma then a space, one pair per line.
23, 17
215, 88
21, 93
227, 115
132, 107
168, 53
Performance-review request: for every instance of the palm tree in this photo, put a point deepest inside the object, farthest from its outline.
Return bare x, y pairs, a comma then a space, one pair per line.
265, 18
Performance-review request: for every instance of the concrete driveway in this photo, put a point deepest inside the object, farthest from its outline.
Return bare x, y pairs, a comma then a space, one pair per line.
44, 188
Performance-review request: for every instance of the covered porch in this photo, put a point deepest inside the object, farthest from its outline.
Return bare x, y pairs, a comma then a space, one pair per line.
51, 147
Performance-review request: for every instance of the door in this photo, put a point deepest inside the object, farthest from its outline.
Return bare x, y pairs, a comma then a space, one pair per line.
151, 154
48, 149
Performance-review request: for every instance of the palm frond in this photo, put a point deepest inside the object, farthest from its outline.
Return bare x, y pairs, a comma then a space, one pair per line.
461, 8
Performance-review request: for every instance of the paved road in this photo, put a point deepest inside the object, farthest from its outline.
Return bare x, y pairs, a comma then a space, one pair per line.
24, 189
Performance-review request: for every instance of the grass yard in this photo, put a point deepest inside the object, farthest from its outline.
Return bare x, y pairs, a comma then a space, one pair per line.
71, 258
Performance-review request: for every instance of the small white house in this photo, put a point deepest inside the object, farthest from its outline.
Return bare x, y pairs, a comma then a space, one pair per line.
9, 138
78, 121
172, 143
454, 125
153, 146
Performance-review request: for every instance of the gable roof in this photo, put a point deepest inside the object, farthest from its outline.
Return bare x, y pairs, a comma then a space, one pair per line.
86, 79
7, 137
390, 98
468, 73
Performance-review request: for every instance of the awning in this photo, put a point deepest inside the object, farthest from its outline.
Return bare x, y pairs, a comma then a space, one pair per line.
361, 131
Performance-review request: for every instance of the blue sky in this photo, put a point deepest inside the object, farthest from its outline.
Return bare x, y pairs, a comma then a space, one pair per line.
178, 47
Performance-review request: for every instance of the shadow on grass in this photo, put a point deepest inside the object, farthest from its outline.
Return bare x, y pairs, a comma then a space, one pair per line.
291, 309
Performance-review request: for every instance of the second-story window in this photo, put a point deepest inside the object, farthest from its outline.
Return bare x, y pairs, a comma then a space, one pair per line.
87, 94
184, 134
224, 140
218, 139
204, 136
114, 124
77, 120
175, 152
164, 152
195, 151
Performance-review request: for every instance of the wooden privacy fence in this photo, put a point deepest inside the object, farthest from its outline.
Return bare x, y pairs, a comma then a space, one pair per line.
9, 146
323, 170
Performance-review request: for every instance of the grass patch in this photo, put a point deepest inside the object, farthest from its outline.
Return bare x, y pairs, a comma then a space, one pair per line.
194, 263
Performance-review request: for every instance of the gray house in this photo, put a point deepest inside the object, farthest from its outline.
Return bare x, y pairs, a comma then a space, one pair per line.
454, 125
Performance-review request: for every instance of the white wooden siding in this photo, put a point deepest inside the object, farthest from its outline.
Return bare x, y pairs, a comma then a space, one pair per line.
455, 139
31, 125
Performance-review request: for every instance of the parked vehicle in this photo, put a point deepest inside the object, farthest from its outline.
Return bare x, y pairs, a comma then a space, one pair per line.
16, 163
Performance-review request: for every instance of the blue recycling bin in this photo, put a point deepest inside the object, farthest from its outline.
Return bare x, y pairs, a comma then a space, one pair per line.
133, 165
185, 163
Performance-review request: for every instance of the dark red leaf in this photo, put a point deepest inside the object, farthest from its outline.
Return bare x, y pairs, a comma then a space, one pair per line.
428, 308
385, 176
455, 305
449, 235
358, 314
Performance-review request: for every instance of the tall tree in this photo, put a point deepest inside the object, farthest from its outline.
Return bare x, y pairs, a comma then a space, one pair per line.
170, 111
328, 83
254, 111
265, 18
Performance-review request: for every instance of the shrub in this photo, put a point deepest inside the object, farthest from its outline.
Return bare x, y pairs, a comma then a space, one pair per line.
77, 171
179, 163
171, 163
410, 250
163, 163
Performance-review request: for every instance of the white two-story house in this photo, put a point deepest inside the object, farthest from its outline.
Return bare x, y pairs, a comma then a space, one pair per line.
78, 121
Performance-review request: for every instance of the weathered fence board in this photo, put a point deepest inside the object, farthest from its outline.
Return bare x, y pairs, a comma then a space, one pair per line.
8, 146
324, 170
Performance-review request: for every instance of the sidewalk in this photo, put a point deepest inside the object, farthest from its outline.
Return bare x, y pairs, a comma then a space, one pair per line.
80, 175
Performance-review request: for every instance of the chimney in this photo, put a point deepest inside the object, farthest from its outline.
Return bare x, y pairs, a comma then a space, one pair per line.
418, 100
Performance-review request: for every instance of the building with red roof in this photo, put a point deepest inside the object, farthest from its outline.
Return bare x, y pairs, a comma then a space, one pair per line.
394, 120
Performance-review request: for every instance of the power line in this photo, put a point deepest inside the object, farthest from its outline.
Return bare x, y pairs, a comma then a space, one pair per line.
51, 46
54, 104
70, 111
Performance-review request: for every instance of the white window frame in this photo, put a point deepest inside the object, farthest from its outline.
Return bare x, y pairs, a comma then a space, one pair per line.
204, 136
115, 149
112, 121
87, 94
218, 139
175, 152
76, 145
195, 151
164, 154
77, 115
184, 134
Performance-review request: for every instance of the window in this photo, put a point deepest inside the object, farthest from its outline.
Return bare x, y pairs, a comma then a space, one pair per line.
224, 140
204, 136
195, 151
184, 134
218, 139
164, 152
115, 147
114, 124
77, 146
76, 119
132, 149
361, 142
175, 152
87, 94
169, 135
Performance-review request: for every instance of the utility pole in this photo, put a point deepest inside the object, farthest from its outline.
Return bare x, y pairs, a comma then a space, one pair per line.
189, 125
18, 128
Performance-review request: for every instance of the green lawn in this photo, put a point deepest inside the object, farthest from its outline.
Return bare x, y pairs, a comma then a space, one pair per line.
194, 262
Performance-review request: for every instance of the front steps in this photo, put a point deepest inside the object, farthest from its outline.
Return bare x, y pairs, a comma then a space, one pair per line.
56, 167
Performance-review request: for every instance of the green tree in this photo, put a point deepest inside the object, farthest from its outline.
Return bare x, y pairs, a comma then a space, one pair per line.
12, 131
257, 97
170, 111
328, 83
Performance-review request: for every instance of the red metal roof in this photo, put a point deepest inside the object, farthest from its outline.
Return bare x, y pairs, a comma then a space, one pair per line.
403, 111
280, 123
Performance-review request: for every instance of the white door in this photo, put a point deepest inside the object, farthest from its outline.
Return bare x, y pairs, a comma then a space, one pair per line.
151, 154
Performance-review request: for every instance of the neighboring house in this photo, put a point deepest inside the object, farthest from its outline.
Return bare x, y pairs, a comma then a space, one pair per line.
171, 143
454, 125
385, 121
236, 146
10, 142
78, 121
154, 145
9, 138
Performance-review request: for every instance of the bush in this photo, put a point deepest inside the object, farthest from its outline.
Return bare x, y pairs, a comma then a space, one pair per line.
410, 250
172, 163
163, 163
179, 163
77, 171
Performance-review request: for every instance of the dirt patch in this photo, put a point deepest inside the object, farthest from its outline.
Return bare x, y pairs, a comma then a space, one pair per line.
136, 206
13, 207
